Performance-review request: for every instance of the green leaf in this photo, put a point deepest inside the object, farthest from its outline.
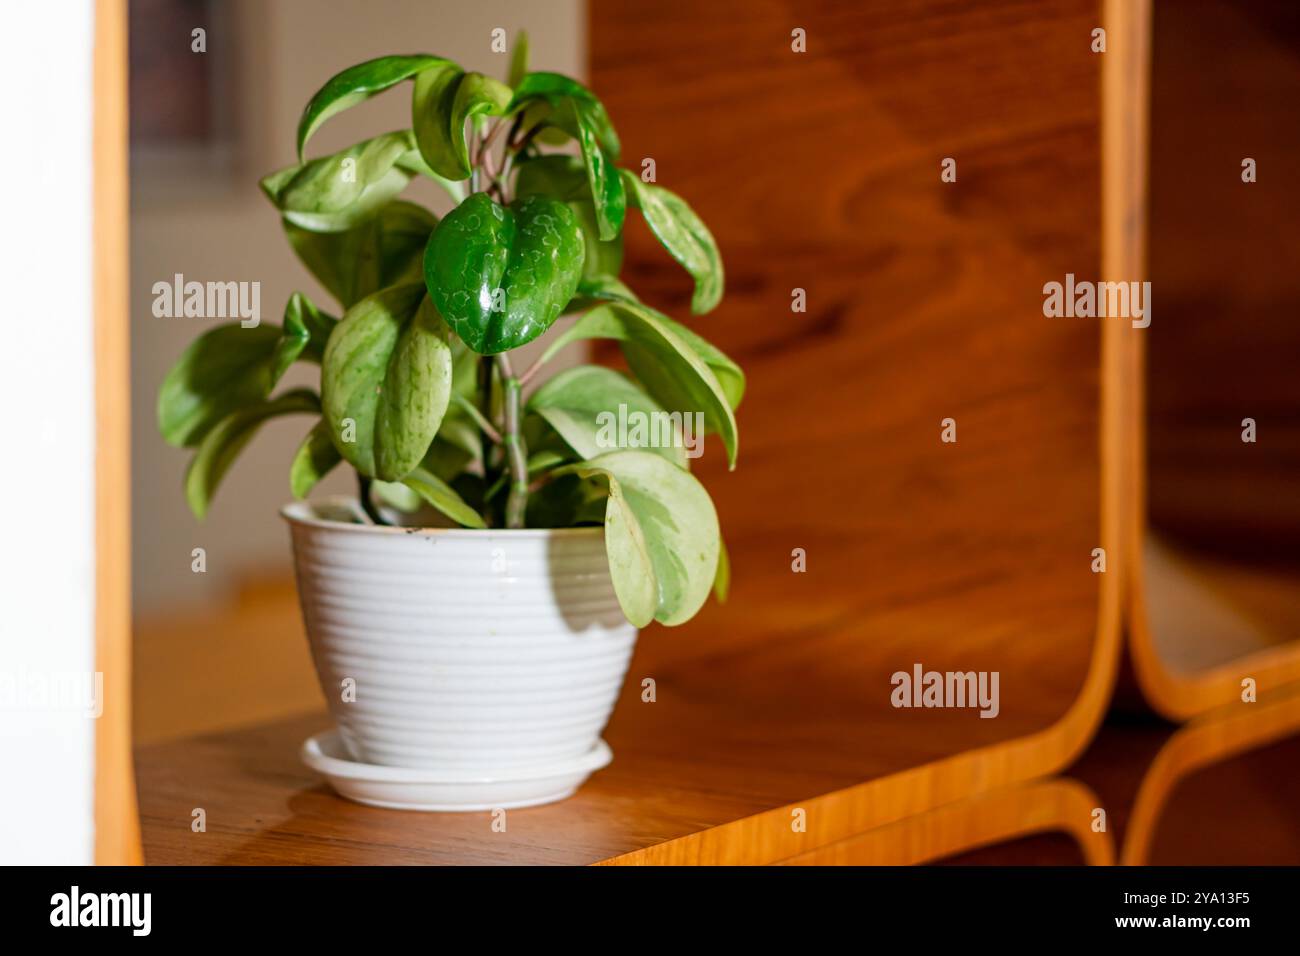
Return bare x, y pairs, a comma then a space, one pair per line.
440, 495
661, 535
386, 381
306, 331
414, 163
231, 366
338, 192
356, 84
565, 178
685, 237
608, 196
591, 292
645, 367
593, 408
387, 250
556, 89
223, 443
223, 369
677, 376
576, 110
519, 58
722, 580
315, 458
499, 275
444, 99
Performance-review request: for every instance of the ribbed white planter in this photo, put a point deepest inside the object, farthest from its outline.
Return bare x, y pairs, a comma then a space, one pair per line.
471, 654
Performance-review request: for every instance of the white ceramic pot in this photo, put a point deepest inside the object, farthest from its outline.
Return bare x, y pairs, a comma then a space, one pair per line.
468, 652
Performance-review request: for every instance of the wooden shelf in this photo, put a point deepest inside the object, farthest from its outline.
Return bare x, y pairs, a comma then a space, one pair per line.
924, 303
1214, 520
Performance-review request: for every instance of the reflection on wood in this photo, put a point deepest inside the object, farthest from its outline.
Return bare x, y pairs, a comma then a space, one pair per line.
1210, 740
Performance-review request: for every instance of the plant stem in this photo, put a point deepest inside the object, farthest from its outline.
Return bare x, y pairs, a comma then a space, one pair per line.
485, 426
367, 505
512, 440
532, 370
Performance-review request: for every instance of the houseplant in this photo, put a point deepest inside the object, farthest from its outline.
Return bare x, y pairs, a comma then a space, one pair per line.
472, 613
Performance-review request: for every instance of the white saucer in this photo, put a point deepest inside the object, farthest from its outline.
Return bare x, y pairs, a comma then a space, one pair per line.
399, 788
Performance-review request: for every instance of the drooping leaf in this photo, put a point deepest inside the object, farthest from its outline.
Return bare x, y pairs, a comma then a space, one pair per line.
643, 363
609, 200
315, 458
519, 58
501, 275
338, 192
685, 237
565, 178
386, 381
577, 111
597, 410
223, 443
356, 84
230, 366
681, 380
442, 496
555, 89
661, 535
444, 99
386, 250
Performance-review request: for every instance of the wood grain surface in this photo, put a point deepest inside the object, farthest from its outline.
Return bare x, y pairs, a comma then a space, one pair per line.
924, 303
117, 830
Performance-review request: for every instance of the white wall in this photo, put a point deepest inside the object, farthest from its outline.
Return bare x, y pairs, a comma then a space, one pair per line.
208, 230
47, 467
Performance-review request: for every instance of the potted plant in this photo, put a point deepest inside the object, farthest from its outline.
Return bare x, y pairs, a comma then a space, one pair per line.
472, 613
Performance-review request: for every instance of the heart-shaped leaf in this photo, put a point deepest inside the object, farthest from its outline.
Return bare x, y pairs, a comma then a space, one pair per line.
680, 380
386, 381
596, 410
444, 99
500, 275
231, 366
685, 237
223, 443
339, 192
661, 535
387, 250
356, 84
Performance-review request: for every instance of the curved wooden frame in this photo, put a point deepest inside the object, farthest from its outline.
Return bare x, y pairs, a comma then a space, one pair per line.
767, 837
1211, 740
1046, 806
1174, 690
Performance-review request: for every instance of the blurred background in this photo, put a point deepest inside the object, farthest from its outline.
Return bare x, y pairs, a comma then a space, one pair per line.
819, 171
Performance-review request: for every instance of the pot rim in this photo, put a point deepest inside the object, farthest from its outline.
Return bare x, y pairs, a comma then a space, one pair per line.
303, 513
